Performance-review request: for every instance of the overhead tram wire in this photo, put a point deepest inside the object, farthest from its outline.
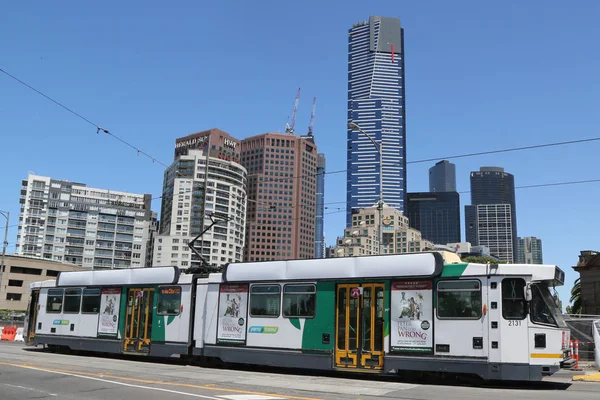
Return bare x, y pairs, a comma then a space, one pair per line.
98, 127
521, 148
511, 149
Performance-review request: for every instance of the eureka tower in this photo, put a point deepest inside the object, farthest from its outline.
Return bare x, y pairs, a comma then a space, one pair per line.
376, 104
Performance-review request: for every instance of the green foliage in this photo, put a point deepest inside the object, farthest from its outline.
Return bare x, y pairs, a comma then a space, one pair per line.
575, 300
482, 260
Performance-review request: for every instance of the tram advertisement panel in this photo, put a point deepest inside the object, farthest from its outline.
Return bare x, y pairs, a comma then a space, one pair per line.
108, 325
412, 316
233, 306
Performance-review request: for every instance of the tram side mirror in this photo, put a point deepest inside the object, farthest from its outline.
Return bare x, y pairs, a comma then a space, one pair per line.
527, 293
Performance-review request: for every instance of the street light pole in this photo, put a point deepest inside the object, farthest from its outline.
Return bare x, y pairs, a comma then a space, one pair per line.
379, 148
6, 215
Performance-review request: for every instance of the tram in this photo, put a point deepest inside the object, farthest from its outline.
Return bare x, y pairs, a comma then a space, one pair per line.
373, 314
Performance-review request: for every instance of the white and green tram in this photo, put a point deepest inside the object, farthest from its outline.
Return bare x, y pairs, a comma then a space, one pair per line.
411, 312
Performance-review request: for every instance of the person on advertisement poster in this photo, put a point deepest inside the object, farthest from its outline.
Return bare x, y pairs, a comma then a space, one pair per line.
233, 307
109, 318
412, 311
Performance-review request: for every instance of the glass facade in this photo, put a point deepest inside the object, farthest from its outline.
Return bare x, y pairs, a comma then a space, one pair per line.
491, 185
376, 103
436, 215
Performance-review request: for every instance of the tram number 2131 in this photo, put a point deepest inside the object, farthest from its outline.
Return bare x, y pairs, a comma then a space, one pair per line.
514, 323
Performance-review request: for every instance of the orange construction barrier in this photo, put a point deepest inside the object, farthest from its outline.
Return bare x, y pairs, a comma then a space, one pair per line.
9, 333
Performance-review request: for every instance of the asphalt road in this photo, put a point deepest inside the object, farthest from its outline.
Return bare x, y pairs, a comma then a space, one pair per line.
29, 373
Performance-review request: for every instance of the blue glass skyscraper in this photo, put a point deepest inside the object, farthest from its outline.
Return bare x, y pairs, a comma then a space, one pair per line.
376, 104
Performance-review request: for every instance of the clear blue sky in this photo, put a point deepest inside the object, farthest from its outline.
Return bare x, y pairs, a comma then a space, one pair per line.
479, 76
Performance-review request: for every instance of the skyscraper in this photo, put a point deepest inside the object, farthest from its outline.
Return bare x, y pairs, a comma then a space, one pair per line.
436, 215
319, 235
282, 196
442, 177
491, 186
376, 104
71, 222
205, 178
530, 250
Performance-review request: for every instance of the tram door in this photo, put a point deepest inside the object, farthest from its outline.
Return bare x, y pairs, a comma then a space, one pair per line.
359, 326
32, 316
138, 320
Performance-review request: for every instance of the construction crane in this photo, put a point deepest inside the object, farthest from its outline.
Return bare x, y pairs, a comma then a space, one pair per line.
290, 128
311, 125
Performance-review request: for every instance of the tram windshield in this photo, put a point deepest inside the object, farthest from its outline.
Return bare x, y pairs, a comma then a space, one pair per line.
543, 307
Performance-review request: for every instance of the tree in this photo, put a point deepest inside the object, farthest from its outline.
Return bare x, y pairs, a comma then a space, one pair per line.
575, 300
482, 260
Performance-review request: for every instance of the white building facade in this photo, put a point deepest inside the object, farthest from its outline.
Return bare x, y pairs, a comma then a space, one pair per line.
362, 237
206, 179
89, 227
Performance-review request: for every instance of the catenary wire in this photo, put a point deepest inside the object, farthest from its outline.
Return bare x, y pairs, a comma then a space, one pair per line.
511, 149
98, 127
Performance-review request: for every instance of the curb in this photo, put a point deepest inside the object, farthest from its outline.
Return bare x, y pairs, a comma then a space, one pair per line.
587, 378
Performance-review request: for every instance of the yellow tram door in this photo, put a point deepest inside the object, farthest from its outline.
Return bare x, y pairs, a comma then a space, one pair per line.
32, 317
359, 326
138, 320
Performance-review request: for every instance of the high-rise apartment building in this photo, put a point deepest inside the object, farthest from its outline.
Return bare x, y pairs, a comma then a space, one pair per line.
282, 196
94, 228
376, 103
319, 223
436, 215
362, 238
530, 250
205, 179
491, 186
442, 177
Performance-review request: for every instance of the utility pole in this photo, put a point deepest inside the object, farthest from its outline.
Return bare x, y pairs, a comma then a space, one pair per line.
379, 148
6, 215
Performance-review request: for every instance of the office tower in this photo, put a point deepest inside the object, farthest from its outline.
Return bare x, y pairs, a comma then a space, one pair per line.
436, 215
319, 235
376, 104
530, 250
94, 228
490, 225
491, 186
282, 196
442, 177
206, 179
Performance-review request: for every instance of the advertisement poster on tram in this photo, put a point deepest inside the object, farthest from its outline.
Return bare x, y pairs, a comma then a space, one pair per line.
411, 317
233, 306
108, 325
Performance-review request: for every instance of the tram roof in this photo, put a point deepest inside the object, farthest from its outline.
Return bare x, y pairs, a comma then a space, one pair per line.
125, 276
393, 265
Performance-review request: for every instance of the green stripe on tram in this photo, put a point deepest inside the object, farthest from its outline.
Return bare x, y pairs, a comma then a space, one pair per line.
451, 270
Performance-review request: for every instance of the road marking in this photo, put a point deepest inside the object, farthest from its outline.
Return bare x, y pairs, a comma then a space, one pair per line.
249, 397
32, 389
101, 376
122, 383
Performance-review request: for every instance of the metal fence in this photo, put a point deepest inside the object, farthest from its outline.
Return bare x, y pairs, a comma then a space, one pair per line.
581, 327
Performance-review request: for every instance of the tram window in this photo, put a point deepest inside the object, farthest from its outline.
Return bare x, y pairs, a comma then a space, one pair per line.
90, 303
460, 299
299, 301
72, 301
169, 300
54, 301
513, 299
265, 300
